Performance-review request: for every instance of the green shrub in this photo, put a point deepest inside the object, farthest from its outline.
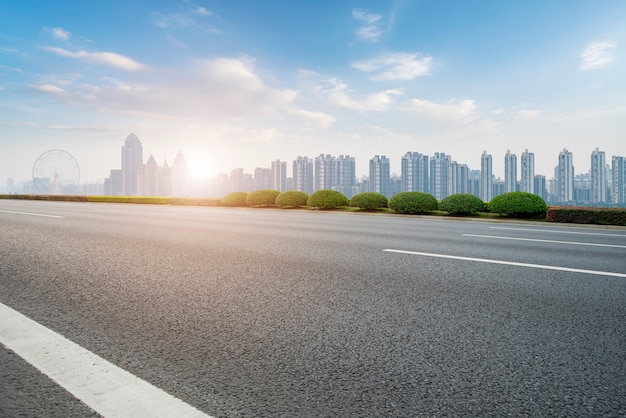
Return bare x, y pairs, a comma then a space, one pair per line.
368, 200
327, 199
413, 202
584, 215
519, 205
461, 204
262, 198
292, 198
235, 199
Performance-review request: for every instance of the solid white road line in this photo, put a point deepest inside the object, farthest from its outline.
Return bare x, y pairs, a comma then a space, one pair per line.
30, 214
545, 240
510, 263
136, 212
557, 232
104, 387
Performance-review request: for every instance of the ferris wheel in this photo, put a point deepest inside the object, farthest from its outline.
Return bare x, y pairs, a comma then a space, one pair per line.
56, 172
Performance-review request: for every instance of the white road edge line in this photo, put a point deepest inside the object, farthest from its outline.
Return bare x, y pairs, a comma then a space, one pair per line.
135, 212
31, 214
557, 232
545, 240
104, 387
510, 263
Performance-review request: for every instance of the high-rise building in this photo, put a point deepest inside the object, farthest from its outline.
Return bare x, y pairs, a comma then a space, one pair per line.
598, 176
439, 175
132, 166
540, 187
458, 178
180, 175
379, 175
303, 179
279, 175
528, 172
414, 172
564, 177
474, 183
151, 177
262, 178
345, 173
510, 172
486, 177
618, 183
325, 177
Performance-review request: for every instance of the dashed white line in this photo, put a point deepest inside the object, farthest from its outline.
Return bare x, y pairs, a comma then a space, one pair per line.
557, 232
545, 240
104, 387
510, 263
31, 214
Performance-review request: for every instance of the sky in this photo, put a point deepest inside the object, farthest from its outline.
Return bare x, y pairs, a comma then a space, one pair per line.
241, 83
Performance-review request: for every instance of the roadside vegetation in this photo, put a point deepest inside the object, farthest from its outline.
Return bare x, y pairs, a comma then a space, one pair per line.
513, 205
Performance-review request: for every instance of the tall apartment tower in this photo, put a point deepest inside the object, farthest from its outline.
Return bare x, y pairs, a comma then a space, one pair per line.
458, 178
325, 172
279, 175
598, 176
379, 175
414, 172
540, 187
618, 184
180, 175
486, 177
564, 177
439, 175
345, 173
132, 166
510, 172
528, 172
303, 175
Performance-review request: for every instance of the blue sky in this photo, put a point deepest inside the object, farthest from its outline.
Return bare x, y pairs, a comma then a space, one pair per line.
241, 83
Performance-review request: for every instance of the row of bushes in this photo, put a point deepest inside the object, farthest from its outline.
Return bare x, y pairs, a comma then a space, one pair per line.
516, 204
155, 200
582, 215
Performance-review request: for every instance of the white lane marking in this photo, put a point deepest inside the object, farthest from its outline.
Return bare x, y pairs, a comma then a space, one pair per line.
31, 214
104, 387
558, 232
545, 240
510, 263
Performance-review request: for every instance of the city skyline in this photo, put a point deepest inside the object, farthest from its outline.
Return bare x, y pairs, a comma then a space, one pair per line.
239, 84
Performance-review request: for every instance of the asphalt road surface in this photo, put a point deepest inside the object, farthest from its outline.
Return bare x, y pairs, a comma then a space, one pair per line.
263, 312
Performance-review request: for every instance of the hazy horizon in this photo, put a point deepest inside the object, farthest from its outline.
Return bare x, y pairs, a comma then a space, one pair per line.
240, 84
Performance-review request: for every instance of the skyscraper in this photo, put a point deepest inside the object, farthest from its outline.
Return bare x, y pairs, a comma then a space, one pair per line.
486, 177
528, 172
439, 175
458, 179
414, 172
598, 176
132, 166
564, 177
345, 173
379, 175
279, 175
151, 177
180, 175
510, 172
325, 172
303, 179
618, 183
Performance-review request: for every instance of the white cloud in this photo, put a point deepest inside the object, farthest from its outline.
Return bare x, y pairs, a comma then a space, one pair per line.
110, 59
47, 88
202, 11
378, 102
396, 66
370, 30
528, 113
174, 20
461, 111
312, 118
59, 33
598, 55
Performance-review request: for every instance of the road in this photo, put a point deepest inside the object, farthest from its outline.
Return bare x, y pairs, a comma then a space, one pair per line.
264, 312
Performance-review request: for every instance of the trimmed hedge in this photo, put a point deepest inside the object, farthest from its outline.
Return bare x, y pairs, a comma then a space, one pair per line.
55, 197
519, 205
461, 204
327, 199
262, 198
582, 215
235, 199
369, 200
292, 198
413, 202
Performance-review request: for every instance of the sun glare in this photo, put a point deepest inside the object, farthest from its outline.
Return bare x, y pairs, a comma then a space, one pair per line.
199, 171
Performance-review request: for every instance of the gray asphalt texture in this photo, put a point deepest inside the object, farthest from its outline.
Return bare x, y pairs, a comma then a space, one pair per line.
298, 314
